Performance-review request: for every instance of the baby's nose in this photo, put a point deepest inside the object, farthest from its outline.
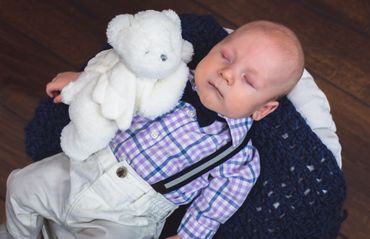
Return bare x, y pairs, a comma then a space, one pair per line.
163, 57
226, 75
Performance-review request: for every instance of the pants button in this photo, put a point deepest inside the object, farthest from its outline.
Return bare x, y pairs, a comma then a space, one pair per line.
121, 172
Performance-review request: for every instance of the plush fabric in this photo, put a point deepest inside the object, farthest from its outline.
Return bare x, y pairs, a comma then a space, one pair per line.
300, 191
120, 82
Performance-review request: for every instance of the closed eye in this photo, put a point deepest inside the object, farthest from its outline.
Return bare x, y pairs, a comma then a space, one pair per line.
247, 80
225, 56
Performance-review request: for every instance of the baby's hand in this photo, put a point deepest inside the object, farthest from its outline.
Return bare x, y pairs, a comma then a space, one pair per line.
57, 84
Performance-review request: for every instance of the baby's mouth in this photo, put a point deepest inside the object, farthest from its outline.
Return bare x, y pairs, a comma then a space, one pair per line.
215, 87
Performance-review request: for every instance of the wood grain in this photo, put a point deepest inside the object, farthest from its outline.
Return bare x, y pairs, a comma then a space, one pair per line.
11, 146
60, 30
353, 14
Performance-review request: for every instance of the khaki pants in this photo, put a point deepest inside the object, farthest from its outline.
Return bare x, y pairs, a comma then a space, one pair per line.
96, 198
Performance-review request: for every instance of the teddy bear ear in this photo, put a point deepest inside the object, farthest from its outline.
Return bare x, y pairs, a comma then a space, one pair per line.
187, 51
118, 23
173, 15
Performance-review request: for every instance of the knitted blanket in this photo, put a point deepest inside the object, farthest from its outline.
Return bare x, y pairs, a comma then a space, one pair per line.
300, 191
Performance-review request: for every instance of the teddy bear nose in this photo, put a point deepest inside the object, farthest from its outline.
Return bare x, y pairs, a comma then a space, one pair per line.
163, 57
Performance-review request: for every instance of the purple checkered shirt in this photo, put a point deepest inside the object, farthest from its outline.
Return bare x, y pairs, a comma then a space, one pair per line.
159, 148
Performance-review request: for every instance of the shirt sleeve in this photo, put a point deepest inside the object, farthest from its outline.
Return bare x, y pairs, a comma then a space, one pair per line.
227, 190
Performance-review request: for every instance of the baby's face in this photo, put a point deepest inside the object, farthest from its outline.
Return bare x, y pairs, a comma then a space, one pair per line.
240, 74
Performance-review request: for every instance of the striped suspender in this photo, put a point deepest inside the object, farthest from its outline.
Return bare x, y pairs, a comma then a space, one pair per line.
204, 165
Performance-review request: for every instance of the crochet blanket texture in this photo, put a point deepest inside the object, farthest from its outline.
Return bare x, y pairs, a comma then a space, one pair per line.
300, 191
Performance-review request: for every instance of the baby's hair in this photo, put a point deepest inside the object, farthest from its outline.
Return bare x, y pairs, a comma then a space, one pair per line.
287, 41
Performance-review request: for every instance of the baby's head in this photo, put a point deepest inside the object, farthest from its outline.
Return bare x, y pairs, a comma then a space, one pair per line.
246, 73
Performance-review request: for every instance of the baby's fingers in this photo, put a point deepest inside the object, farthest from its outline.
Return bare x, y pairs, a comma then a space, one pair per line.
58, 99
52, 89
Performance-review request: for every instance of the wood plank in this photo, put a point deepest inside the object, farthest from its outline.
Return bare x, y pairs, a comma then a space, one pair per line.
26, 63
353, 13
339, 54
2, 212
11, 145
104, 12
12, 140
17, 100
69, 34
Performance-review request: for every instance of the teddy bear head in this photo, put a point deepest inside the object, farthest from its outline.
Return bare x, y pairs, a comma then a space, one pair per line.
149, 42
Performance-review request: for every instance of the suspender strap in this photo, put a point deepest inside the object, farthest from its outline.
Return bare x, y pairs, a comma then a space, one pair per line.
204, 165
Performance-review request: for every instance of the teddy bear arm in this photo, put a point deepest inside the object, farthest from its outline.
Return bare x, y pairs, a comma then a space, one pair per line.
113, 105
102, 62
124, 120
69, 91
159, 101
100, 89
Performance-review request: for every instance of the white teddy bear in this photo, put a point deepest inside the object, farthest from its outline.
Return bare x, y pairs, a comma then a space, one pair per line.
145, 72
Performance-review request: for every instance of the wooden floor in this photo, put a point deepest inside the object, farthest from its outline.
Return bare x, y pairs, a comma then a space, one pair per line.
39, 38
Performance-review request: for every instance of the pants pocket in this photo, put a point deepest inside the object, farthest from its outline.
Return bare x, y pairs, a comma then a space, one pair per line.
107, 198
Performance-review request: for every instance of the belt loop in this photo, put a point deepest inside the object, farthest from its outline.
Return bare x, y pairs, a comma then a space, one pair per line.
106, 158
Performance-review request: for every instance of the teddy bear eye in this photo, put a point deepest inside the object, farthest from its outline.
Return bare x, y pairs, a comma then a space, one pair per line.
163, 57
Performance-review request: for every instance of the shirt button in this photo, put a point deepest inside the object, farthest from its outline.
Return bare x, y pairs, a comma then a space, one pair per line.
191, 113
122, 157
154, 134
121, 172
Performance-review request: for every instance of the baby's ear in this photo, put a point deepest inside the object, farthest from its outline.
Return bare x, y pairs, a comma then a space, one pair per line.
265, 110
116, 25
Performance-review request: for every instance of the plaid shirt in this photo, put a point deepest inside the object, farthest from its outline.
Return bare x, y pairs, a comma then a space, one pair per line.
159, 148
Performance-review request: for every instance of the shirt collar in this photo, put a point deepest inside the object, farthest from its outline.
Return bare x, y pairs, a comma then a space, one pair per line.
239, 128
205, 117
